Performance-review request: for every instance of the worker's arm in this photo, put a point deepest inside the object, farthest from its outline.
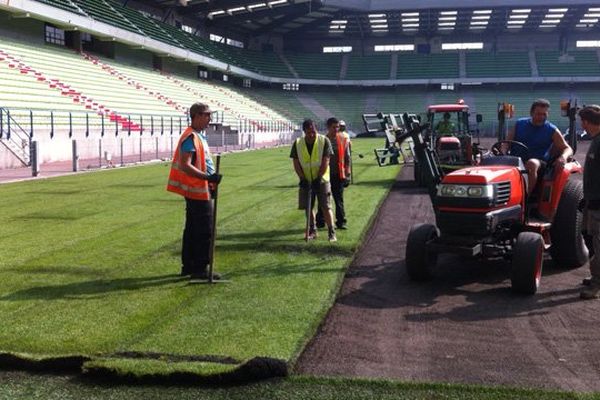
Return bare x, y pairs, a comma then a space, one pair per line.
561, 147
189, 168
347, 160
298, 169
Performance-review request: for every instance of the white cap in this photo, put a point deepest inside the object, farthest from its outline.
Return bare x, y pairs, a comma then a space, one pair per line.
342, 123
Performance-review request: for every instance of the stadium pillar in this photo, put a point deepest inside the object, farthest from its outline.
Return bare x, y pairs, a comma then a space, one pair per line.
121, 149
34, 152
75, 156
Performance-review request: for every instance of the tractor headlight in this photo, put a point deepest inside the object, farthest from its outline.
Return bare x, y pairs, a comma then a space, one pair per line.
478, 191
475, 191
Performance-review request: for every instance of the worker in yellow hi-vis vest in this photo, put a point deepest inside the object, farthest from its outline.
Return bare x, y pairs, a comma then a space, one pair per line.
311, 154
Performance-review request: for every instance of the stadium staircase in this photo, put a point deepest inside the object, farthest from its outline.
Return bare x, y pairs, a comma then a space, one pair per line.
316, 66
288, 65
309, 102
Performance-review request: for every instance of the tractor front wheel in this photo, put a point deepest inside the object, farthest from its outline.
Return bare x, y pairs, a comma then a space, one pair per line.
527, 261
419, 261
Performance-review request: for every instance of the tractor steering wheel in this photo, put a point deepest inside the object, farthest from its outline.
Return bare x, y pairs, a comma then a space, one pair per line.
519, 151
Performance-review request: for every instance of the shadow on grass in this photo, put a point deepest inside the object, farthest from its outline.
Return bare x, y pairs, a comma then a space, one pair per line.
278, 269
79, 270
128, 185
266, 235
89, 289
55, 192
67, 215
284, 247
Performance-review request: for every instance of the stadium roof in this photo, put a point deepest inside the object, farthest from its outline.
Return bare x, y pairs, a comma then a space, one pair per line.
382, 18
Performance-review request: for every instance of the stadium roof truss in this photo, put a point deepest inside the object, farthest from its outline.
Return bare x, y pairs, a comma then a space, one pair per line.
364, 18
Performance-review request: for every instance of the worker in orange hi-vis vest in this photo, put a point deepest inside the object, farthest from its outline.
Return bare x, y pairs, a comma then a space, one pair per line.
339, 165
193, 176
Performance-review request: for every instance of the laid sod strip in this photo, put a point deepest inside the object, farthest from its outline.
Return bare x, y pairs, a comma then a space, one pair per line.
89, 263
24, 386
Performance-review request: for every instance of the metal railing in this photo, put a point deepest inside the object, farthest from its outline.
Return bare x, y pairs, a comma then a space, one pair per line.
33, 123
14, 137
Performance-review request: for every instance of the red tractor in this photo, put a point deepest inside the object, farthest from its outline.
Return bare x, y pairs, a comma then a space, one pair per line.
452, 134
484, 211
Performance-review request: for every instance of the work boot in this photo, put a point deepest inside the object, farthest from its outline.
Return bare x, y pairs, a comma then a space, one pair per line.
586, 281
590, 292
332, 237
312, 234
185, 271
341, 226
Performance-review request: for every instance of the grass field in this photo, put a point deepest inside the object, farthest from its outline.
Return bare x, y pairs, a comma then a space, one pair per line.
89, 265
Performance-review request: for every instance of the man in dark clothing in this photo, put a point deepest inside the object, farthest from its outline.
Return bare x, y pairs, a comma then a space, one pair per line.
339, 166
590, 121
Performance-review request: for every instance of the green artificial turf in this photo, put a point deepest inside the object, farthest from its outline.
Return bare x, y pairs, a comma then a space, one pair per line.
89, 263
17, 385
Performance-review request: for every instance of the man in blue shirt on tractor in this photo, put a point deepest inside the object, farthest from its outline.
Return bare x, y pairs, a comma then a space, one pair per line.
543, 140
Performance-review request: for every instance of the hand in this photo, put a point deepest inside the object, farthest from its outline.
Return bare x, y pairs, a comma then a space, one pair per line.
214, 178
316, 184
303, 184
581, 205
347, 181
560, 161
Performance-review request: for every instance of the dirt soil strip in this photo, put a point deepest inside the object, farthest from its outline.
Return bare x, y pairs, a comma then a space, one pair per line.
466, 326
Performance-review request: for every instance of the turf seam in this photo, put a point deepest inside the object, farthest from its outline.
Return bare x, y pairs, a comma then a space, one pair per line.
363, 239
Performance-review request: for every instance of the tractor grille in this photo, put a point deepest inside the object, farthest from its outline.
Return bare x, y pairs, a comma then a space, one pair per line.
502, 193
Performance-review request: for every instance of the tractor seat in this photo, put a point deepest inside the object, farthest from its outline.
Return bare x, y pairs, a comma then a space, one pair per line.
448, 143
509, 161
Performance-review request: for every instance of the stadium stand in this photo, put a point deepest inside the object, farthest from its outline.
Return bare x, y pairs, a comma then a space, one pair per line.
144, 23
574, 63
266, 63
102, 11
110, 88
63, 5
285, 102
369, 67
505, 64
427, 66
316, 66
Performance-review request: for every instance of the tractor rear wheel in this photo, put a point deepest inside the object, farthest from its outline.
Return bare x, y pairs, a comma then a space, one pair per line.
568, 247
419, 261
527, 261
